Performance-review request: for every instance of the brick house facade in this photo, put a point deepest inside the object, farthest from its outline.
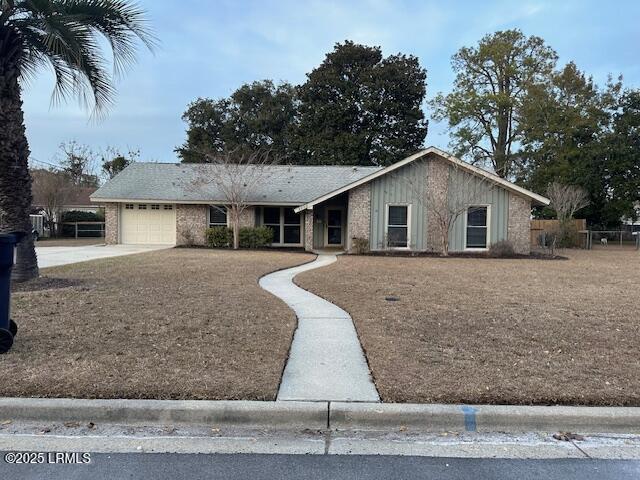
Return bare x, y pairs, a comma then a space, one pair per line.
330, 207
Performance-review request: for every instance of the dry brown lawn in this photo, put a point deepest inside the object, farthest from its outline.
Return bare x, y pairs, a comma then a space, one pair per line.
180, 323
493, 330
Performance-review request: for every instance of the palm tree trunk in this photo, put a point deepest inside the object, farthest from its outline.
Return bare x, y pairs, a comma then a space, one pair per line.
15, 180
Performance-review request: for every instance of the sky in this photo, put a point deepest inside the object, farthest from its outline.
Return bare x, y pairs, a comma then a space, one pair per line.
208, 48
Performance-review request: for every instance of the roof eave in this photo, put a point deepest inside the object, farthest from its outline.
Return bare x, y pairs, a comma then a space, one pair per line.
536, 199
187, 202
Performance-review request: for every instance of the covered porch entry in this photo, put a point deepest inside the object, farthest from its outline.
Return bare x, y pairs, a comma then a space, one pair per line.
330, 223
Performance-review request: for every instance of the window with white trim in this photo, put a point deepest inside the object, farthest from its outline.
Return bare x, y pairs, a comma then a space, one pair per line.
128, 206
168, 207
291, 228
142, 206
398, 226
285, 223
217, 216
477, 227
155, 206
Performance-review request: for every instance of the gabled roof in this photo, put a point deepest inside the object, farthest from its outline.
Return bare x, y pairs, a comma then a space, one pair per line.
75, 196
537, 199
181, 183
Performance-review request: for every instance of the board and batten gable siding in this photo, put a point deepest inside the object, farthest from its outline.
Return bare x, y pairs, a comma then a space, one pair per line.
485, 193
401, 187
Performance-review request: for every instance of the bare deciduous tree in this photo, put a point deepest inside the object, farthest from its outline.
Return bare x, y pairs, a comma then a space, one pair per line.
52, 189
445, 205
566, 200
235, 174
79, 163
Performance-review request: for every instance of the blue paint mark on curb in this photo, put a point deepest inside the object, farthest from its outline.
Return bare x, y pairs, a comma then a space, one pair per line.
469, 418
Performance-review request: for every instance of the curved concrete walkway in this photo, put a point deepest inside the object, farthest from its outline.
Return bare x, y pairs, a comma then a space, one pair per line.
326, 362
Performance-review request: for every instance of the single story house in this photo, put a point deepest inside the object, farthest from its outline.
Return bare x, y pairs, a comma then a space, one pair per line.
397, 207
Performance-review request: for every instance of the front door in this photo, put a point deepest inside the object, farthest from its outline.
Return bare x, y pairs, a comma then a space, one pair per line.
334, 227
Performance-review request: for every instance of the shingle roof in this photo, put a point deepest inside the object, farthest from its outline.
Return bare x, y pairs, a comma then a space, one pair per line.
179, 182
77, 197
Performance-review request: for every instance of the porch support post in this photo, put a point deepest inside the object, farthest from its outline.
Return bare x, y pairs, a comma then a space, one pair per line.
358, 215
308, 230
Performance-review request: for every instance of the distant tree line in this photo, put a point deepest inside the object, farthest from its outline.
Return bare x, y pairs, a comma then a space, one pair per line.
512, 109
356, 108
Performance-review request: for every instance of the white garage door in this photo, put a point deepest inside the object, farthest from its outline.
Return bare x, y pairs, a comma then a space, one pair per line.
147, 223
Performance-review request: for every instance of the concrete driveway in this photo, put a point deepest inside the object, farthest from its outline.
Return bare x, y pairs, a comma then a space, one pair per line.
54, 256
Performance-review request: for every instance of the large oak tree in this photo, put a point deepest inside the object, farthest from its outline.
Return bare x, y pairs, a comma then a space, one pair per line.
360, 108
484, 109
356, 108
256, 117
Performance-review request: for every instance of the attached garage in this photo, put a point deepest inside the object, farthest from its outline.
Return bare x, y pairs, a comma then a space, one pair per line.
148, 223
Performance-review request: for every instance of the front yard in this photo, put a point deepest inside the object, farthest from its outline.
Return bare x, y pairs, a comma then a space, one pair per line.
492, 330
180, 323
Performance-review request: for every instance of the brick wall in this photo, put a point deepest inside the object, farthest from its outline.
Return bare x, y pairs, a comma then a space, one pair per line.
518, 230
248, 217
359, 214
111, 214
191, 223
437, 186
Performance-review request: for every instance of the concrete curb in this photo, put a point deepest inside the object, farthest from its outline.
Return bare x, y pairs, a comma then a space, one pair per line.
295, 415
231, 413
483, 418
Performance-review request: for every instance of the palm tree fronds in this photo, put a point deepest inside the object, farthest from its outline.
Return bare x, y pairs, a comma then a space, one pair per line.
68, 35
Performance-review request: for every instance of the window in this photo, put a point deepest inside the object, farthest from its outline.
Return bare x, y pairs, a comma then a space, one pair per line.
155, 207
271, 219
291, 226
398, 226
477, 227
285, 224
129, 206
168, 207
217, 216
142, 206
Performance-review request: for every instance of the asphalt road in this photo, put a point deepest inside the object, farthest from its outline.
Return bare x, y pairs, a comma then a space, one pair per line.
320, 467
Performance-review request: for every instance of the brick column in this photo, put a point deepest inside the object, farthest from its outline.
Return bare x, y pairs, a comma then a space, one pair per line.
308, 230
438, 188
519, 225
359, 215
111, 217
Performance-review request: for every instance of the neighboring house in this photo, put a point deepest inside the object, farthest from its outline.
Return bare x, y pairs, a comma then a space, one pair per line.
323, 206
78, 198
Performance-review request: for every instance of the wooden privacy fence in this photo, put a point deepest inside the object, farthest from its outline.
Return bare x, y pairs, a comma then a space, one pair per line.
540, 227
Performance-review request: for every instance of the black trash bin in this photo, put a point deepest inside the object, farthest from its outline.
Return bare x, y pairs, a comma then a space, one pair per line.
8, 327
